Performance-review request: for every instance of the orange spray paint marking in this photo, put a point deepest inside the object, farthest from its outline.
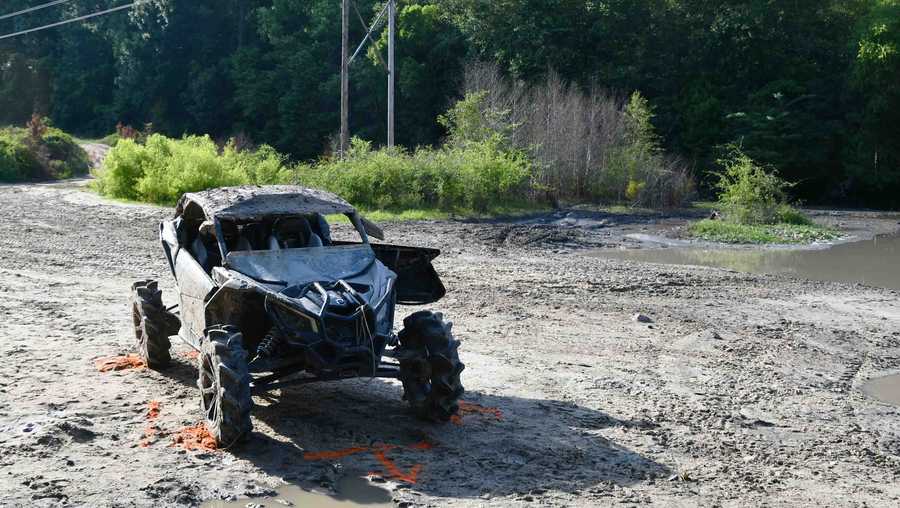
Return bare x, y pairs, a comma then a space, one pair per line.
391, 468
337, 454
380, 454
468, 408
114, 363
151, 430
195, 437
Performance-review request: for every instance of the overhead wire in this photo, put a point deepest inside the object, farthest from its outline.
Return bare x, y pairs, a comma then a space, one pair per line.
32, 9
74, 20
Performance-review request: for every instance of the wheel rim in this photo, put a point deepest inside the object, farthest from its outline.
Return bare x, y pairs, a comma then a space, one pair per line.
209, 390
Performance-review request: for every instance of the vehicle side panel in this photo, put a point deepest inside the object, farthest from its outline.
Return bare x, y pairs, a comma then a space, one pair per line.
195, 285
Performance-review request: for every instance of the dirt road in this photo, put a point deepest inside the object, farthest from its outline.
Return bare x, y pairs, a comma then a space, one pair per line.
743, 390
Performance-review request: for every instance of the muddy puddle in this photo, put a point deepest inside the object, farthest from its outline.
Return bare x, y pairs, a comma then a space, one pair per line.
886, 389
351, 491
872, 262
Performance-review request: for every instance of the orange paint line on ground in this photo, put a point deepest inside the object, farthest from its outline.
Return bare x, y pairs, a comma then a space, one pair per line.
151, 430
114, 363
195, 437
395, 472
468, 408
380, 454
153, 410
337, 454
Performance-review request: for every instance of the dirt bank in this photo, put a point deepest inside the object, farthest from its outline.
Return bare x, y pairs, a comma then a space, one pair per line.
743, 390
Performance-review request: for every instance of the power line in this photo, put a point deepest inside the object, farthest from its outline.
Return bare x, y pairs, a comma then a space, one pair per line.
35, 8
73, 20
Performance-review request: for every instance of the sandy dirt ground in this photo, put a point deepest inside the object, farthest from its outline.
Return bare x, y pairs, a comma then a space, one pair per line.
744, 390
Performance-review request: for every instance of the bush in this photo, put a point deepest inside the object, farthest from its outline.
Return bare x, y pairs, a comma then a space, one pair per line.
479, 177
17, 161
750, 193
163, 169
65, 157
38, 152
789, 215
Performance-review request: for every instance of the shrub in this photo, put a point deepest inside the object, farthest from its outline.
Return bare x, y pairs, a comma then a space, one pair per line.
17, 161
479, 176
162, 169
787, 214
750, 193
65, 157
39, 151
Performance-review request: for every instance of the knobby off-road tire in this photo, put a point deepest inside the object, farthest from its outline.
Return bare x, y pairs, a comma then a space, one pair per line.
430, 366
153, 324
224, 384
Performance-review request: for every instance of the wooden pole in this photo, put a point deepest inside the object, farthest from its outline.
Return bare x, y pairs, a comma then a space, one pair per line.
345, 77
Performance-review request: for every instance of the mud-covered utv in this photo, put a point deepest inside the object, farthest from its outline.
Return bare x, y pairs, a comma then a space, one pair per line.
269, 299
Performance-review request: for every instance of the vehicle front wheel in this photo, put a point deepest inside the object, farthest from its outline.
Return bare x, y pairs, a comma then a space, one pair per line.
224, 384
429, 366
153, 324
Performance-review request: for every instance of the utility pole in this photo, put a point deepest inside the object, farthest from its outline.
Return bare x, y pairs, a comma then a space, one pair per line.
345, 77
390, 11
392, 33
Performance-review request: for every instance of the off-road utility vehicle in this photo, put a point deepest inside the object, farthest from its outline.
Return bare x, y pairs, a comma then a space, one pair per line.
269, 299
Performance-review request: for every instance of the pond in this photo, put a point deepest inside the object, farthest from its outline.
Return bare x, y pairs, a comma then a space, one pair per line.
873, 262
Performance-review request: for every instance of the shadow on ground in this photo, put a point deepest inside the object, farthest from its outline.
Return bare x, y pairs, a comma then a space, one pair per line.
528, 446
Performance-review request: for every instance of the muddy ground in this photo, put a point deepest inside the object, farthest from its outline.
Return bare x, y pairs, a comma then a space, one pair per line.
744, 390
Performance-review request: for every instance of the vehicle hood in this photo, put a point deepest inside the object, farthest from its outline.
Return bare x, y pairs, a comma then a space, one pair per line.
291, 267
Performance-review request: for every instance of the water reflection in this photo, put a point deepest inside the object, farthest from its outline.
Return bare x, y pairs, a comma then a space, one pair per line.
872, 262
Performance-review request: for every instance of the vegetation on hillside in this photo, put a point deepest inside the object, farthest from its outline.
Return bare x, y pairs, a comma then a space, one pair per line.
39, 151
807, 87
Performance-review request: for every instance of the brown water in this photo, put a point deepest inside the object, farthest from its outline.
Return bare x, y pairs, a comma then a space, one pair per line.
872, 262
352, 491
886, 389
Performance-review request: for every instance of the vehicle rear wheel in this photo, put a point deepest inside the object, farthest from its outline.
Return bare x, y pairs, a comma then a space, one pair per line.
224, 384
429, 366
153, 324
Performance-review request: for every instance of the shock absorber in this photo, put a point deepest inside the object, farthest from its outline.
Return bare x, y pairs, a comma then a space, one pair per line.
269, 346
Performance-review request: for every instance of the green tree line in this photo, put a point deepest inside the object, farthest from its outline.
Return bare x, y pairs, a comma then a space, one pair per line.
811, 87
